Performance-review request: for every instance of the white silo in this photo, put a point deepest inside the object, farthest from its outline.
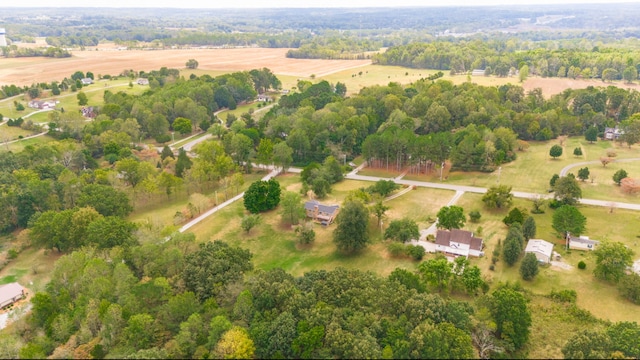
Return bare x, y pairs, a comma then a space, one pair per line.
3, 40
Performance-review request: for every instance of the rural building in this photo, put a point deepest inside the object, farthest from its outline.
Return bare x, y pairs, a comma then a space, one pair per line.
477, 72
284, 92
323, 214
3, 38
581, 243
142, 81
263, 97
613, 133
543, 250
39, 104
88, 112
11, 293
87, 81
458, 242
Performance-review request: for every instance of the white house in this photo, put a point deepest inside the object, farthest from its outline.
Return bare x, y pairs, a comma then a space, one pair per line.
581, 243
458, 242
543, 250
11, 293
86, 81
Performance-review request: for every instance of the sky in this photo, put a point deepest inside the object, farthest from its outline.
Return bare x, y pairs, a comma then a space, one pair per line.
290, 3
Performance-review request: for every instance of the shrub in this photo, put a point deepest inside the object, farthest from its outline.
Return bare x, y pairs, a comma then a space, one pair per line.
611, 153
396, 249
415, 251
474, 216
12, 254
582, 265
492, 267
568, 296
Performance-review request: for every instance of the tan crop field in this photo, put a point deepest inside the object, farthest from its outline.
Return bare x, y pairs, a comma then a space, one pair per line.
26, 71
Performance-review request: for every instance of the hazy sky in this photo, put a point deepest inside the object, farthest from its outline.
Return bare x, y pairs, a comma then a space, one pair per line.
287, 3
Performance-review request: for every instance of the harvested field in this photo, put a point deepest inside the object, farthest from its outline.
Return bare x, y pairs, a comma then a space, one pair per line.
553, 86
26, 71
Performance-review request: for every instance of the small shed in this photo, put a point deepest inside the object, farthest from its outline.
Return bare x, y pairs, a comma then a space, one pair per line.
543, 250
11, 293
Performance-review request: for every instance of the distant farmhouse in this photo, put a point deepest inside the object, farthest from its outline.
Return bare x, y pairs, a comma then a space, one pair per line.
263, 98
87, 81
458, 243
323, 214
477, 72
42, 105
543, 250
88, 112
581, 243
10, 294
613, 133
142, 81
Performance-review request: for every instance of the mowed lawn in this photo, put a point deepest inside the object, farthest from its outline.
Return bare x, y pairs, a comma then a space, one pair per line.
598, 297
273, 243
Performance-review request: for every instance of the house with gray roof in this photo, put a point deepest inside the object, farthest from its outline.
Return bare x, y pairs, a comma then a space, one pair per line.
581, 243
323, 214
458, 242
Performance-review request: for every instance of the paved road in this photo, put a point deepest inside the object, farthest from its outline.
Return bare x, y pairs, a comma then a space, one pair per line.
217, 208
566, 169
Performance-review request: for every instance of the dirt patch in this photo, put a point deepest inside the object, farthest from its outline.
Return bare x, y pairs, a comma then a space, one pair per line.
26, 71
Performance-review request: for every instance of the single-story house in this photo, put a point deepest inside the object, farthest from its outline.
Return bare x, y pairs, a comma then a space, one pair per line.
581, 243
88, 111
87, 81
613, 133
458, 242
543, 250
11, 293
142, 81
40, 104
477, 72
324, 214
263, 97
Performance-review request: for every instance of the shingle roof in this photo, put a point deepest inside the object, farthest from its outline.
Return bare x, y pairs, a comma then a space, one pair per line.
445, 237
10, 291
310, 205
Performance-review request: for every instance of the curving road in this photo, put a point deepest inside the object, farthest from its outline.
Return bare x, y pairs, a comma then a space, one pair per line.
566, 169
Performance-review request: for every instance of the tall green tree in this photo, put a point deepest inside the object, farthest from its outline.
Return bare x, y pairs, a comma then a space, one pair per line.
529, 228
567, 190
619, 175
512, 316
555, 151
451, 217
402, 230
105, 199
350, 234
437, 272
183, 163
568, 218
215, 265
292, 207
498, 197
612, 260
591, 134
262, 196
529, 266
82, 98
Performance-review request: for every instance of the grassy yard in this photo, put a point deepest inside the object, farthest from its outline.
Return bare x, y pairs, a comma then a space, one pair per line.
20, 145
273, 244
592, 294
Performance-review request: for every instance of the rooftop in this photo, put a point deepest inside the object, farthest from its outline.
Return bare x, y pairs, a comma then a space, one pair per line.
445, 237
539, 246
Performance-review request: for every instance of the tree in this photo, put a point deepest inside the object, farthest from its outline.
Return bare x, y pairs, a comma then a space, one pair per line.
383, 187
292, 207
209, 270
167, 152
305, 233
587, 344
451, 217
609, 74
351, 233
555, 151
282, 155
529, 228
605, 160
553, 180
402, 230
192, 64
236, 344
437, 272
630, 74
583, 173
474, 216
105, 199
591, 134
498, 197
265, 152
111, 231
529, 266
82, 99
516, 215
262, 196
512, 316
511, 250
249, 222
182, 125
631, 128
440, 341
183, 163
379, 209
568, 218
567, 190
523, 73
629, 287
577, 151
612, 260
619, 175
